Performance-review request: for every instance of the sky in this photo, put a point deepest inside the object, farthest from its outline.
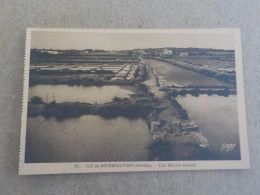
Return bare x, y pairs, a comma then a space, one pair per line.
127, 41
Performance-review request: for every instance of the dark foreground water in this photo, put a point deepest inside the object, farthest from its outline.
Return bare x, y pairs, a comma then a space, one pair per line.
87, 94
86, 139
217, 119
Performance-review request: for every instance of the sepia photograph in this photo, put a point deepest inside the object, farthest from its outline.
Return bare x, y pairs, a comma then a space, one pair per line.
138, 97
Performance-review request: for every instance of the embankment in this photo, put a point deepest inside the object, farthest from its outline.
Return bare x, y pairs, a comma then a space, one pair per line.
129, 109
197, 91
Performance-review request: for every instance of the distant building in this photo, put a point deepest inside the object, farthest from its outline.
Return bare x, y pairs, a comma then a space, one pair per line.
166, 52
52, 52
184, 54
84, 52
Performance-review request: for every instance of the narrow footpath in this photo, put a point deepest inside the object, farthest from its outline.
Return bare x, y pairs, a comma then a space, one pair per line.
170, 113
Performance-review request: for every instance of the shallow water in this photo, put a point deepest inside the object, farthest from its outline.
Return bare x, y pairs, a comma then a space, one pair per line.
173, 75
216, 117
89, 138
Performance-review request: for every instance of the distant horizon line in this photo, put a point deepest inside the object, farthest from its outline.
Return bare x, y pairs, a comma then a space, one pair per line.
135, 49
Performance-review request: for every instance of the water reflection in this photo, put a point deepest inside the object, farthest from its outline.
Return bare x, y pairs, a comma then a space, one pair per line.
88, 94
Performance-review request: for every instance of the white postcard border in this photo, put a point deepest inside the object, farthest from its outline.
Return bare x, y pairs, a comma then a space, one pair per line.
136, 166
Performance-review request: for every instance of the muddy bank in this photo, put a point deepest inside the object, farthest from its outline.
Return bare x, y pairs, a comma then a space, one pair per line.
196, 92
84, 80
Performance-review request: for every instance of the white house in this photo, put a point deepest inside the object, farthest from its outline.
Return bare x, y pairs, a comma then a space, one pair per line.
84, 52
53, 52
184, 54
167, 52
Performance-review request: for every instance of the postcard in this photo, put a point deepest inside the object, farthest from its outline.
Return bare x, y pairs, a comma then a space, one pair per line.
124, 100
